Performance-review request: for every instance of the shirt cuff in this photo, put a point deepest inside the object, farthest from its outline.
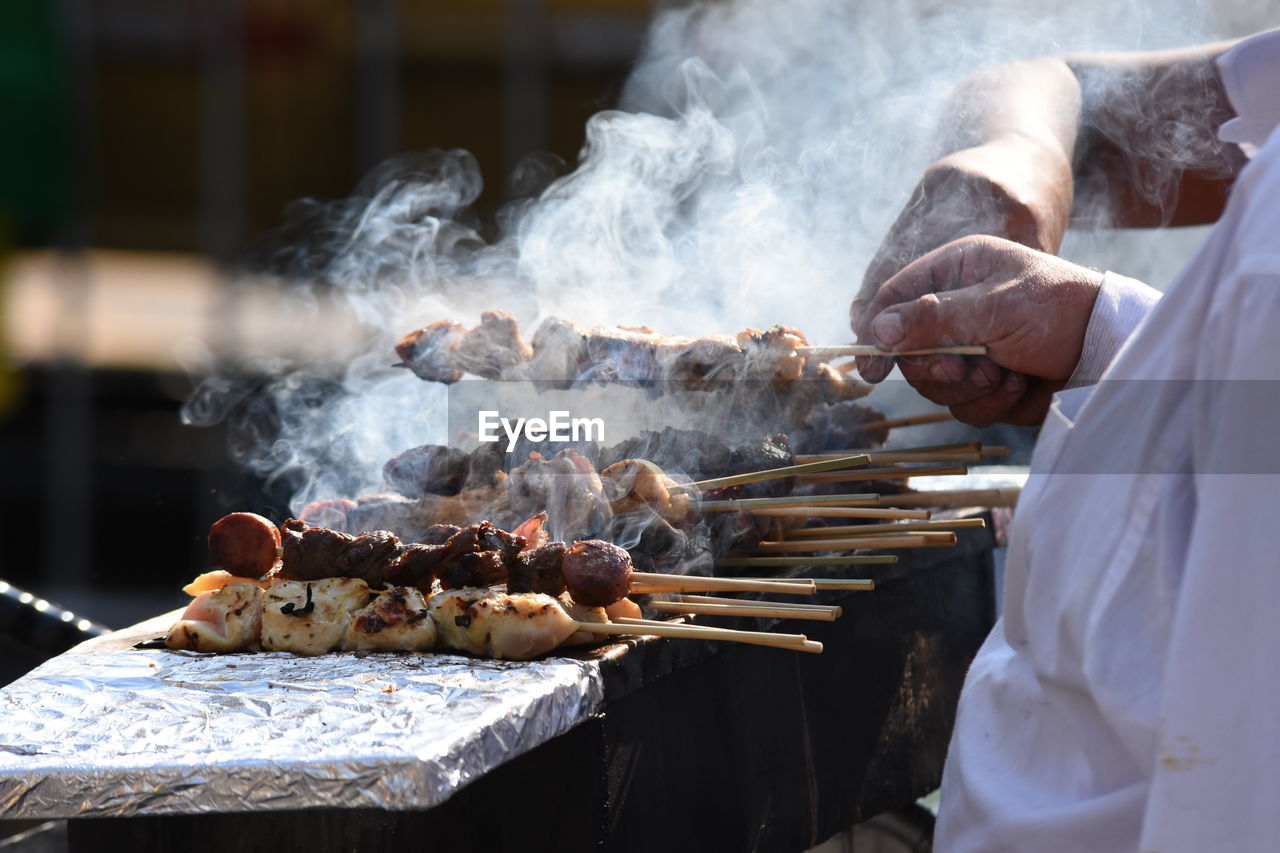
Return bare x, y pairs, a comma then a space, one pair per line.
1122, 304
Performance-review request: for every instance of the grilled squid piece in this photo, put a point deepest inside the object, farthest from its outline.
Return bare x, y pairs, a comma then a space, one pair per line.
496, 624
227, 619
310, 617
397, 620
215, 580
582, 613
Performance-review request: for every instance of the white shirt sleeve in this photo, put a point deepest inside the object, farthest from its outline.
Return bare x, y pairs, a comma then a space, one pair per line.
1216, 781
1122, 304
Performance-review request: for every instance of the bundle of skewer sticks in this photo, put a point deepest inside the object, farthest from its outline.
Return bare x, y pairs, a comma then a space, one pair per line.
909, 528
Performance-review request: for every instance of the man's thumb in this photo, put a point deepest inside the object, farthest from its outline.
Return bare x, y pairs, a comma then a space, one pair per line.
928, 321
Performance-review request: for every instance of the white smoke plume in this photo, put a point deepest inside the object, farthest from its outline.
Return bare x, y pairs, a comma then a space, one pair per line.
760, 150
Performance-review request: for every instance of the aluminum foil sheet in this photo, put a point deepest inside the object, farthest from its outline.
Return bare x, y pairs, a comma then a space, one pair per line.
101, 731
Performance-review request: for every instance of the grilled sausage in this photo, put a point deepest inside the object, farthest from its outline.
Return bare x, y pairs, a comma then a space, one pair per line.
596, 573
244, 543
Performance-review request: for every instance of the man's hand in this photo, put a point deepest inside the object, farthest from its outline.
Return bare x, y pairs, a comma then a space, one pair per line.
1029, 308
1014, 187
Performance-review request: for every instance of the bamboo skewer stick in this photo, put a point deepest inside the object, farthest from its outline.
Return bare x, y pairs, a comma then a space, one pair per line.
846, 350
785, 605
645, 582
798, 500
740, 609
910, 420
890, 527
845, 583
624, 625
839, 512
930, 539
958, 497
971, 451
826, 464
890, 473
778, 562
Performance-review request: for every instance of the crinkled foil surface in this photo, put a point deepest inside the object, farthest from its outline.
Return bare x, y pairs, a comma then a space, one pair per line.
126, 731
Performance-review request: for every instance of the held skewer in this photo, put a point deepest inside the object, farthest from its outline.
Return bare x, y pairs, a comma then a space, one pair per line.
828, 463
931, 539
626, 625
759, 611
875, 529
848, 350
890, 473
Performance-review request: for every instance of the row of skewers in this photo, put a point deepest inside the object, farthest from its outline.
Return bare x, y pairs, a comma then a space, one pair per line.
482, 590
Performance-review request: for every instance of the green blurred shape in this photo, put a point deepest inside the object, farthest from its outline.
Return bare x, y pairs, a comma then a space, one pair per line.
35, 149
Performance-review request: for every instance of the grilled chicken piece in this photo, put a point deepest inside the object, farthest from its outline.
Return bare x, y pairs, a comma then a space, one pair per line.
634, 484
310, 617
496, 624
228, 619
397, 620
494, 346
432, 351
771, 355
559, 353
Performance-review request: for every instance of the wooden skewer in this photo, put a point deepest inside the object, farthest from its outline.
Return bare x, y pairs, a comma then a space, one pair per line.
827, 464
845, 350
910, 420
930, 539
891, 473
890, 527
625, 625
740, 609
971, 451
649, 581
777, 562
839, 512
958, 498
785, 605
845, 583
801, 500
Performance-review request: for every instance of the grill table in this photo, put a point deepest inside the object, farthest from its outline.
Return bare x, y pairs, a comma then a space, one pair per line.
674, 744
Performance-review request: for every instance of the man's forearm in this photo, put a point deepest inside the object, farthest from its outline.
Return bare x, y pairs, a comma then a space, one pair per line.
1148, 152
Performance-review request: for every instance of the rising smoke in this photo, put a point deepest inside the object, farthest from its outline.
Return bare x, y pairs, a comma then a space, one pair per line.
760, 150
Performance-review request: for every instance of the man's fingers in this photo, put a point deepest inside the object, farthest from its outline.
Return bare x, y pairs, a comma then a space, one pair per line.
951, 380
994, 406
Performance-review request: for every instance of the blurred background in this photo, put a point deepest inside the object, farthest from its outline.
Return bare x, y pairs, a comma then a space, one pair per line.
151, 144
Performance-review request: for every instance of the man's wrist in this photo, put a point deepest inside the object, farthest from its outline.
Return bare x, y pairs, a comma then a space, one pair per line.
1121, 305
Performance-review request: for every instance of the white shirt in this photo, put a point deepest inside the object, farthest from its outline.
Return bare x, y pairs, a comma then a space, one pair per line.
1129, 698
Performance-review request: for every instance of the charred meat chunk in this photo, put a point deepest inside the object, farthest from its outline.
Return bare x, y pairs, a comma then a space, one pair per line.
483, 568
438, 534
538, 570
314, 553
431, 468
